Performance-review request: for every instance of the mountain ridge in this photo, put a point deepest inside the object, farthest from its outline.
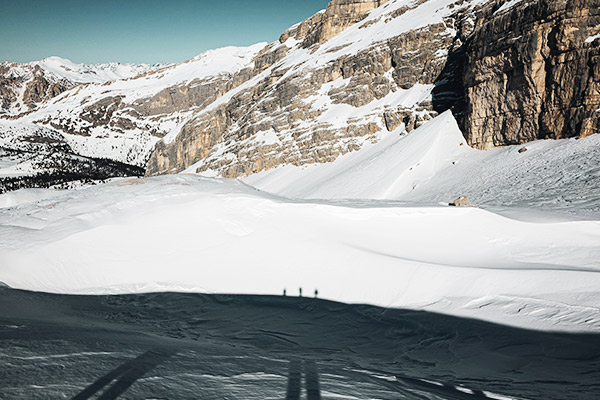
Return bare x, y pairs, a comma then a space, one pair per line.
333, 82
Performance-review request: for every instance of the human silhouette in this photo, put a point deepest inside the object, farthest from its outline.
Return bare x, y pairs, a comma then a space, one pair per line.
284, 292
300, 292
316, 293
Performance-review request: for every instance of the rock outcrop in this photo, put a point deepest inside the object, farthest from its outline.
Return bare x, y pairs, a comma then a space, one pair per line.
276, 121
23, 93
339, 15
462, 201
532, 72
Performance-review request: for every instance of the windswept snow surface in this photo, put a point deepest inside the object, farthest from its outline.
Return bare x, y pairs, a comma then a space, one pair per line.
188, 233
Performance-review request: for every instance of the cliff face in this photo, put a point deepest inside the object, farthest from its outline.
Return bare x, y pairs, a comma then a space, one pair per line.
339, 15
320, 93
533, 72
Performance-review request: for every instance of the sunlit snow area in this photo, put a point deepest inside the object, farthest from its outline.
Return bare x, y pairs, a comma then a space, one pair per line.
372, 227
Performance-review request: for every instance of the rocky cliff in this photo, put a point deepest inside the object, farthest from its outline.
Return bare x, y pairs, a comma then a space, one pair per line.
532, 72
321, 91
511, 72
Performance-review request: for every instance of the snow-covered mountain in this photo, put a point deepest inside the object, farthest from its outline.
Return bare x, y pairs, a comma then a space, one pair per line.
511, 72
25, 86
118, 121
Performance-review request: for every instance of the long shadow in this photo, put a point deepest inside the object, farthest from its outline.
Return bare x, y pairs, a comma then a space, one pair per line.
294, 380
313, 391
126, 375
419, 347
311, 377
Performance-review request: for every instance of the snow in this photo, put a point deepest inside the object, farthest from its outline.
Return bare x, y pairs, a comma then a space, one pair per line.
378, 26
507, 5
433, 165
188, 233
592, 38
386, 170
62, 68
57, 69
224, 61
371, 227
132, 146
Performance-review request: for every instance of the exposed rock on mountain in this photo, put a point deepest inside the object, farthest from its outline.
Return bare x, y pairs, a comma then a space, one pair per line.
462, 201
20, 93
339, 15
511, 72
533, 72
321, 97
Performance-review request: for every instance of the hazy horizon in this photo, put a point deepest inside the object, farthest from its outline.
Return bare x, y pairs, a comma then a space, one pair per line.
141, 31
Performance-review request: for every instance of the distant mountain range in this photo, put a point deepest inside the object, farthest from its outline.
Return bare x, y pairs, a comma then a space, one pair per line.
27, 86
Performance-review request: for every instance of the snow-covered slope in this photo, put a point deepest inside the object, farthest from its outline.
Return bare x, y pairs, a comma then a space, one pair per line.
392, 167
434, 165
198, 234
81, 113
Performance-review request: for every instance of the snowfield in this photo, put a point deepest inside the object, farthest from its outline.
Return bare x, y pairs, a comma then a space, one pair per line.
190, 233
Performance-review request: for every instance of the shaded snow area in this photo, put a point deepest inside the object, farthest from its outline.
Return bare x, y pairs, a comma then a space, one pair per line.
188, 233
214, 347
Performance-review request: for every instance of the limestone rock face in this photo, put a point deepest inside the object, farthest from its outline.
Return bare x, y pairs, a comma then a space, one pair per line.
339, 15
533, 72
276, 121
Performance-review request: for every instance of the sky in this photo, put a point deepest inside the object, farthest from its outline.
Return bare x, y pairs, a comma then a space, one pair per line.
140, 31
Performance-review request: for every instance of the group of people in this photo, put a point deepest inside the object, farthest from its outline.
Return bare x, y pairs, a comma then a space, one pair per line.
300, 292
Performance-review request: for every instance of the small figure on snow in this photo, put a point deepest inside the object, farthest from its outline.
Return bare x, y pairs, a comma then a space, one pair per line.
300, 292
316, 293
284, 292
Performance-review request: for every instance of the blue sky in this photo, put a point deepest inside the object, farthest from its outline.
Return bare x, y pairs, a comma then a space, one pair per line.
140, 31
